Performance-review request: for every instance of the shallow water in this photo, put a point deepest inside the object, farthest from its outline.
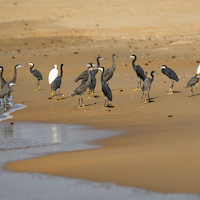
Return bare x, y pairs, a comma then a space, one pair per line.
51, 138
7, 114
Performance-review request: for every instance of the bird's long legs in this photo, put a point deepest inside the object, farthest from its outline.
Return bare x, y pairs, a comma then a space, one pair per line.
192, 92
146, 100
138, 85
81, 99
38, 86
59, 96
171, 88
91, 93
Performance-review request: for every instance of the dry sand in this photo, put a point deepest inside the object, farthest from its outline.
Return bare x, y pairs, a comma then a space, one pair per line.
159, 149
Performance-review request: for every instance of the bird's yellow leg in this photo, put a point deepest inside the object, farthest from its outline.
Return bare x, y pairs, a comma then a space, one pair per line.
52, 93
39, 88
136, 89
36, 90
170, 91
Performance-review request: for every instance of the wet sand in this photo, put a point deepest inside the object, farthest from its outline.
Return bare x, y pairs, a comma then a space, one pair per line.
159, 149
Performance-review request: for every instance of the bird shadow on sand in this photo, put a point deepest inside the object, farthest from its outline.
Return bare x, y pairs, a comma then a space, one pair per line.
174, 92
90, 104
110, 106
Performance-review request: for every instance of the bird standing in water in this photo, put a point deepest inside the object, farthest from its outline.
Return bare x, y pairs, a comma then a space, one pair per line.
37, 74
139, 71
191, 83
57, 82
6, 90
171, 74
53, 74
83, 87
147, 86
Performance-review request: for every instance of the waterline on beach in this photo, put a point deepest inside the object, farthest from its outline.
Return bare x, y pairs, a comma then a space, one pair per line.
22, 140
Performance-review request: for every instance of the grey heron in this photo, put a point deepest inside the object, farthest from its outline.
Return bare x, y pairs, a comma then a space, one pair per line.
83, 87
191, 83
147, 86
6, 91
108, 74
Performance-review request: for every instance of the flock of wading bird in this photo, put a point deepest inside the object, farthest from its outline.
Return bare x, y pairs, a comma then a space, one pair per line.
89, 81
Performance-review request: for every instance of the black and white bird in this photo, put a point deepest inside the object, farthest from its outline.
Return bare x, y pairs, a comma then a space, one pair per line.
171, 74
57, 82
105, 89
83, 87
147, 87
37, 74
191, 83
139, 71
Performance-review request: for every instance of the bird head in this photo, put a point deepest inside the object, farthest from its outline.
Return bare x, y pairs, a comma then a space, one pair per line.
11, 84
17, 66
100, 58
153, 72
55, 66
30, 64
132, 56
101, 68
114, 55
162, 67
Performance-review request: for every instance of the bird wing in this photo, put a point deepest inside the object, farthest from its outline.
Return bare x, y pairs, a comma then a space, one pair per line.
79, 90
147, 84
81, 76
108, 74
53, 74
37, 74
140, 72
5, 90
171, 74
192, 82
57, 83
107, 91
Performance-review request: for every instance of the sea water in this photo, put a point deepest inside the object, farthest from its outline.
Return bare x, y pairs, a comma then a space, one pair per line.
29, 140
6, 114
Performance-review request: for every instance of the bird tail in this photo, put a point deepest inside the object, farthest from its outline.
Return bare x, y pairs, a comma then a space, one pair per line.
73, 94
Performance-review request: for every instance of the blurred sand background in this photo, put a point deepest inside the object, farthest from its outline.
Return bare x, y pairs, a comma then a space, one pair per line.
159, 149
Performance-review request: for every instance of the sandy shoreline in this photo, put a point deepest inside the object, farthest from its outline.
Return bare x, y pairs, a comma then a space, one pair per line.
156, 152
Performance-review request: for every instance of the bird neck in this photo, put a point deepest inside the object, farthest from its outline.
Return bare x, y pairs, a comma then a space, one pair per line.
152, 76
31, 68
15, 75
133, 62
102, 75
61, 70
89, 78
114, 64
98, 63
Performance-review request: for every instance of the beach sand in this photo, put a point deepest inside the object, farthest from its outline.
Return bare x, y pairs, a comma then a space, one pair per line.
159, 147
